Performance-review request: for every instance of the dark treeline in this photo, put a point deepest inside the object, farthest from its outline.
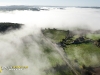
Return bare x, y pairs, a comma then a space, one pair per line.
9, 26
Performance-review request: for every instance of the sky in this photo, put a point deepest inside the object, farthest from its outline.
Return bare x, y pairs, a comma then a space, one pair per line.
51, 2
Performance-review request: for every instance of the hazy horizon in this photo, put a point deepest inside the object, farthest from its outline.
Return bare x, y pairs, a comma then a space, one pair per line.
48, 5
52, 2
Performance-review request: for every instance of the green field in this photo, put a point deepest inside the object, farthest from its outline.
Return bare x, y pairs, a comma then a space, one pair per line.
85, 53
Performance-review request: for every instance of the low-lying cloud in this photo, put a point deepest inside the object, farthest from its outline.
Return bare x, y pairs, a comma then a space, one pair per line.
70, 17
22, 47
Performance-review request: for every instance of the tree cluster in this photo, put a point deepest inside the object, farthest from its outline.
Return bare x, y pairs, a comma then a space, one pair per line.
9, 26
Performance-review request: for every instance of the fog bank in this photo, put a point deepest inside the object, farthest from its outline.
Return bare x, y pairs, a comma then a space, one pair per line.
24, 46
